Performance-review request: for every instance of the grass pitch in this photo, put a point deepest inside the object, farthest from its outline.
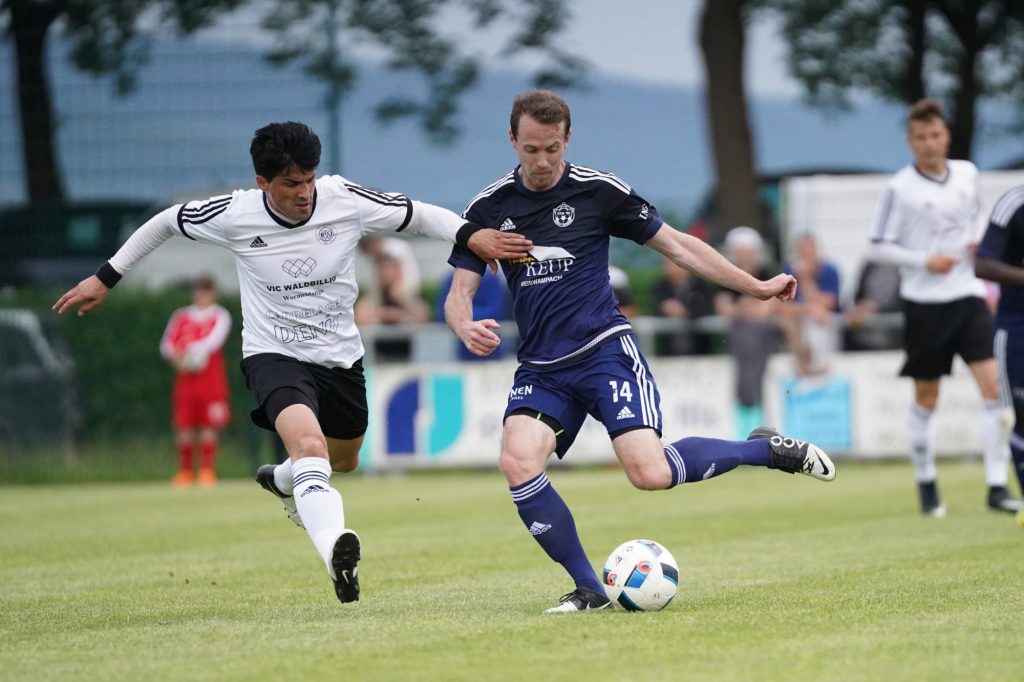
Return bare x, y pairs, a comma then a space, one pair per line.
781, 578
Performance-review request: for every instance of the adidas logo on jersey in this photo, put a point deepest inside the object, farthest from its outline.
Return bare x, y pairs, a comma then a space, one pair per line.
257, 243
625, 413
507, 225
536, 528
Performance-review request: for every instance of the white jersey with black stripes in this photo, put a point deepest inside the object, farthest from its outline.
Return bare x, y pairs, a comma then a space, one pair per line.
919, 216
297, 281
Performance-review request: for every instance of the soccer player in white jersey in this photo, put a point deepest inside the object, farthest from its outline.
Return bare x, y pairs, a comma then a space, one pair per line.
578, 354
928, 223
294, 242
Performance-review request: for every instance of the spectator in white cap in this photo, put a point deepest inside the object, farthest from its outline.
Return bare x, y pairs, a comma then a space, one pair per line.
753, 335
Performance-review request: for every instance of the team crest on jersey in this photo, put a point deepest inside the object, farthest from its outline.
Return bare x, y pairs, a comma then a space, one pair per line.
563, 215
299, 267
326, 234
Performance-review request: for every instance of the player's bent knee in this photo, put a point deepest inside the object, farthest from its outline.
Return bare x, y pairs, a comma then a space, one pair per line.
344, 465
649, 477
517, 468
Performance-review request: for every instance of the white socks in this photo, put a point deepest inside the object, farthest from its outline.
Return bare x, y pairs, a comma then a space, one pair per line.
995, 446
922, 443
283, 477
319, 504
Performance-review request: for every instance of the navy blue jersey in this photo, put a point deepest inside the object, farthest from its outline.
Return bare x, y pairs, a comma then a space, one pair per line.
562, 299
1004, 240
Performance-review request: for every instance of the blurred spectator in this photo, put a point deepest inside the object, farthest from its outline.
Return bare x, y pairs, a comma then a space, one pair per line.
752, 331
623, 291
878, 291
377, 245
492, 301
681, 296
811, 321
390, 302
193, 343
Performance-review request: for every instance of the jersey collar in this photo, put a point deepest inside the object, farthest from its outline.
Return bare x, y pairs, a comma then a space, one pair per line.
936, 179
557, 185
284, 222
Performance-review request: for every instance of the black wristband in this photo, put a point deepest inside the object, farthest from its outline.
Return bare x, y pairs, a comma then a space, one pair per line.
465, 232
108, 275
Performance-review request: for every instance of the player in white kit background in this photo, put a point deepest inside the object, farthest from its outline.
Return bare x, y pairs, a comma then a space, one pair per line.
928, 222
294, 240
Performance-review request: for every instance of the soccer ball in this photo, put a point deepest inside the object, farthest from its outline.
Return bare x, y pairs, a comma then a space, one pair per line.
641, 575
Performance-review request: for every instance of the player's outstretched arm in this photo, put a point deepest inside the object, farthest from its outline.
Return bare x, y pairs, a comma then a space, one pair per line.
90, 292
87, 294
477, 335
698, 257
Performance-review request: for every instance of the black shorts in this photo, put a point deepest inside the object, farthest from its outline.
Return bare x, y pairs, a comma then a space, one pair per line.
337, 396
934, 332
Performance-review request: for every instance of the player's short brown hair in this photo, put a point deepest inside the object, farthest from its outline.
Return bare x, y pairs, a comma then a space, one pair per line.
204, 283
925, 110
543, 106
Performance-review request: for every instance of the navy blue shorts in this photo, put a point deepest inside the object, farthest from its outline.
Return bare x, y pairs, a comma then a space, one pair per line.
1009, 352
614, 385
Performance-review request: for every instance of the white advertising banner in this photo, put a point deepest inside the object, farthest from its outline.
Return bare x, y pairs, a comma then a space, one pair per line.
451, 414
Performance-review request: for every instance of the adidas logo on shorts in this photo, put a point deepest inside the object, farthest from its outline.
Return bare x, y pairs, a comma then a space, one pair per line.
625, 413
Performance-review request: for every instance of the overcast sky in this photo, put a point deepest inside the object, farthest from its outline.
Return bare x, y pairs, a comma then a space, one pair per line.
658, 41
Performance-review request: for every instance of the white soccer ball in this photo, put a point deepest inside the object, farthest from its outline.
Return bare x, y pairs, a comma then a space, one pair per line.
641, 575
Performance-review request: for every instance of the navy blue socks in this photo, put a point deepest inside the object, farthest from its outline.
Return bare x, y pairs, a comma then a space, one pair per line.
692, 460
550, 522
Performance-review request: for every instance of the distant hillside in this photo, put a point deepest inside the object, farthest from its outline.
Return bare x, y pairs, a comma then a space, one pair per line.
188, 127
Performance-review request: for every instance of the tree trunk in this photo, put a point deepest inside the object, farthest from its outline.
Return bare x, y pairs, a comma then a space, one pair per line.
966, 94
721, 42
30, 22
916, 38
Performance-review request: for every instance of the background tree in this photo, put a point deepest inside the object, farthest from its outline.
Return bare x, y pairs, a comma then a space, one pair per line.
959, 51
105, 38
722, 41
113, 37
319, 34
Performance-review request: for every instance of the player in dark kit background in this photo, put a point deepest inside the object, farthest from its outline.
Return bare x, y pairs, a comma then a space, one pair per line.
578, 354
1000, 258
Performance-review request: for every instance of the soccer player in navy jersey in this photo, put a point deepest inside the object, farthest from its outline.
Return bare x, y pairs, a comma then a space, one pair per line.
578, 354
1000, 258
294, 239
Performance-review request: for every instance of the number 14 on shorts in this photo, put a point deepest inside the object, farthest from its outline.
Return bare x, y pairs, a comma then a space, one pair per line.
624, 391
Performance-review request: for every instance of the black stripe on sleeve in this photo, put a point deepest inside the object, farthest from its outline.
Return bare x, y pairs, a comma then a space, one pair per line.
181, 223
408, 215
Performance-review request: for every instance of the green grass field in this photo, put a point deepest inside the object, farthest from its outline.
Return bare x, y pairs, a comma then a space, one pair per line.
781, 578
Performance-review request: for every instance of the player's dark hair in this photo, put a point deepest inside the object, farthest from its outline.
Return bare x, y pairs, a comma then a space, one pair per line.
925, 110
279, 146
542, 106
204, 283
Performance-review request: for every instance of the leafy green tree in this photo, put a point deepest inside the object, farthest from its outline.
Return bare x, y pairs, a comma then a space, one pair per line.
406, 31
105, 39
959, 51
108, 38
